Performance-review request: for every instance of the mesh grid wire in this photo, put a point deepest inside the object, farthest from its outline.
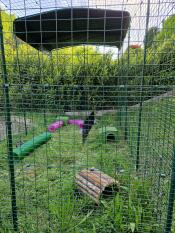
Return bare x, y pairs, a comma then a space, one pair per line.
123, 106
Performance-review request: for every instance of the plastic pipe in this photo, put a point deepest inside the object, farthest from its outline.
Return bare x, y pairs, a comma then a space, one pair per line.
26, 148
54, 126
77, 122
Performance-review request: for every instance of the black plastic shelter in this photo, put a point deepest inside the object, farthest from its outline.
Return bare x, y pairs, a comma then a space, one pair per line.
73, 26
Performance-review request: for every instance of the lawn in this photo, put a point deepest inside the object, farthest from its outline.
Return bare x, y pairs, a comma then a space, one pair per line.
48, 199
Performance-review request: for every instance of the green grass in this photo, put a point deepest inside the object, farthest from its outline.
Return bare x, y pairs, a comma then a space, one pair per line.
46, 193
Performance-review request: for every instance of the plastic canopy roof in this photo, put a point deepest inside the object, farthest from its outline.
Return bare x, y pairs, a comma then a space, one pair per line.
136, 8
73, 26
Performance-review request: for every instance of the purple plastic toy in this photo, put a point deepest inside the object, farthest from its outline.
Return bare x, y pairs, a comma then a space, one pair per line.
54, 126
77, 122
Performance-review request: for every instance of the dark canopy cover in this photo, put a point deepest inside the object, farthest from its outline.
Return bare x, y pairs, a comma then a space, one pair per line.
73, 26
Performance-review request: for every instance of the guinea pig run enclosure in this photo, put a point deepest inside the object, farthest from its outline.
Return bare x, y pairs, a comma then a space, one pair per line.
87, 120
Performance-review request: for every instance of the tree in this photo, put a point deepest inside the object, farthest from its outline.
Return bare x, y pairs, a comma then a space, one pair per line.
150, 36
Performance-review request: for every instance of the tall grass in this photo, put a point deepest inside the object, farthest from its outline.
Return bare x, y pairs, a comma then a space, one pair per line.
47, 197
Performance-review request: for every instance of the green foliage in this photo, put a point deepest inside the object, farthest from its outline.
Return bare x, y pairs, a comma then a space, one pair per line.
167, 30
73, 68
149, 38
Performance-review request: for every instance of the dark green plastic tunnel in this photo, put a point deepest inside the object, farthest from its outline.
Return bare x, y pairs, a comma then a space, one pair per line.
29, 146
108, 134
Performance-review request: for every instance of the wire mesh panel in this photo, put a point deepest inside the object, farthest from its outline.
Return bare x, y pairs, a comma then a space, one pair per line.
87, 116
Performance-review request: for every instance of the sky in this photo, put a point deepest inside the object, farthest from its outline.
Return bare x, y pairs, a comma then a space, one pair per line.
159, 10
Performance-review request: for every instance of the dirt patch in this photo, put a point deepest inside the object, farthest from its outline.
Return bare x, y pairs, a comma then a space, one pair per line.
18, 126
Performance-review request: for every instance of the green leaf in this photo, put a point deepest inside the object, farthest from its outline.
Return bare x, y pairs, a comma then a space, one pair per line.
132, 226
